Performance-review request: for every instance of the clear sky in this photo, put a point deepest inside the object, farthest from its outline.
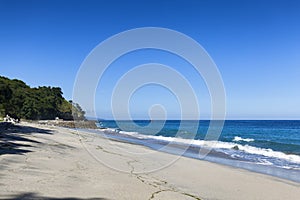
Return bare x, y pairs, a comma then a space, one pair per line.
255, 44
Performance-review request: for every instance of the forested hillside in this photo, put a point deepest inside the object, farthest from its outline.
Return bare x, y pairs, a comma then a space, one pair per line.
20, 101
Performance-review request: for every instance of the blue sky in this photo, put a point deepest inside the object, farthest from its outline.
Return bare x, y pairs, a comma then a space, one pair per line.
255, 44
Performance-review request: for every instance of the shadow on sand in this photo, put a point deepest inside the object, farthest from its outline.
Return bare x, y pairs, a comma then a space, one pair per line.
34, 196
13, 140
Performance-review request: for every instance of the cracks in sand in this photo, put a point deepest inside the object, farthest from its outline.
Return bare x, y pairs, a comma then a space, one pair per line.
129, 163
106, 151
191, 195
152, 181
162, 186
159, 184
157, 192
172, 190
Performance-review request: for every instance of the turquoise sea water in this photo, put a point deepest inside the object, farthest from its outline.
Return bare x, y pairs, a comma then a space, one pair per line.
267, 146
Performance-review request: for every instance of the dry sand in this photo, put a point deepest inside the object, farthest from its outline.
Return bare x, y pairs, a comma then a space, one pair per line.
44, 162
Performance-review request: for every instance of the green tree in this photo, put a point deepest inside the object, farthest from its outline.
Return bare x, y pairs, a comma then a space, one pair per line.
5, 96
20, 101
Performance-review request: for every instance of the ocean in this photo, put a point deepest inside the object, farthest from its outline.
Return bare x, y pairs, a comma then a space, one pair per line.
266, 146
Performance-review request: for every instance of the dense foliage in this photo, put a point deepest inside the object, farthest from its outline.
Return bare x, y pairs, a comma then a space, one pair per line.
20, 101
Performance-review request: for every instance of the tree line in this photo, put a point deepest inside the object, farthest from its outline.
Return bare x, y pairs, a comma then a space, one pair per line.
18, 100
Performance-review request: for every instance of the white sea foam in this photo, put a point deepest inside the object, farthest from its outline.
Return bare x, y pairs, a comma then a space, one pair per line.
220, 145
270, 153
237, 138
265, 162
112, 130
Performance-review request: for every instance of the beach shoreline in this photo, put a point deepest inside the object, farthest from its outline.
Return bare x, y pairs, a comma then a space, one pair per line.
54, 162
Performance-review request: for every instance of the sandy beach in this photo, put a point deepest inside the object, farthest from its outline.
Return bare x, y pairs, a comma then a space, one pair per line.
49, 162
